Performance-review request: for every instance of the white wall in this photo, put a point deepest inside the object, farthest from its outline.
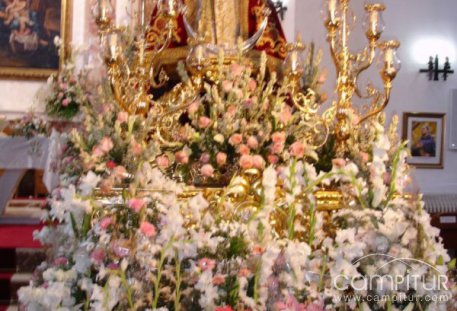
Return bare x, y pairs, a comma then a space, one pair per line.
19, 95
408, 21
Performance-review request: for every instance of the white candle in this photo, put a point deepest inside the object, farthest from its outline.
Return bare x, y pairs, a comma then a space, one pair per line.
389, 57
113, 45
374, 21
332, 9
171, 7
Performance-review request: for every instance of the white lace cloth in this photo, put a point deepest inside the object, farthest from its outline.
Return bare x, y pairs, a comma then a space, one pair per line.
18, 154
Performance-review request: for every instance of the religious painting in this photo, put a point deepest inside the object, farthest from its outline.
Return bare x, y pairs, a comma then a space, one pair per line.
425, 135
28, 29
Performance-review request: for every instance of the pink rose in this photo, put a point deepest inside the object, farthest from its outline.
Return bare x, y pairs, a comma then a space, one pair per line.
236, 69
206, 264
278, 137
272, 159
106, 222
147, 229
97, 152
193, 108
207, 170
231, 111
252, 85
98, 255
258, 162
60, 261
106, 144
60, 95
182, 157
66, 102
243, 149
297, 149
204, 122
248, 103
221, 158
204, 158
227, 86
339, 162
64, 86
136, 148
277, 148
364, 157
163, 161
246, 161
286, 115
253, 143
235, 139
136, 204
122, 117
218, 279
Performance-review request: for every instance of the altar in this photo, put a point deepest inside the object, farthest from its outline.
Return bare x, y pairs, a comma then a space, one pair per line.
18, 154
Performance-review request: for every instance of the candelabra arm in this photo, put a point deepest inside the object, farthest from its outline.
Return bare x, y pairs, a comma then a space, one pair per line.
365, 62
386, 99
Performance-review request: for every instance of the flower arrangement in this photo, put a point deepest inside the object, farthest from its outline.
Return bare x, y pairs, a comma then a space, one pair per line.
30, 125
239, 123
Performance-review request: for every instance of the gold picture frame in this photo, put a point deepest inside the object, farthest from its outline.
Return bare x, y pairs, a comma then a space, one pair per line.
425, 135
65, 32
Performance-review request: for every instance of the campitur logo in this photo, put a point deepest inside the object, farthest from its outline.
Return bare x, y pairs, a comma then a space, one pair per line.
388, 278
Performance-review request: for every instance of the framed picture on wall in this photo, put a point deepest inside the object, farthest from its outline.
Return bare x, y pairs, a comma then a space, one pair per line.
27, 32
425, 135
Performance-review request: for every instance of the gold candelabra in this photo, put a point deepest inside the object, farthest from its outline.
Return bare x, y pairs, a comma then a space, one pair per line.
132, 78
349, 66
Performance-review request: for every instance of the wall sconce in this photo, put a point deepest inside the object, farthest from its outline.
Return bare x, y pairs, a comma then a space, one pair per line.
280, 9
434, 71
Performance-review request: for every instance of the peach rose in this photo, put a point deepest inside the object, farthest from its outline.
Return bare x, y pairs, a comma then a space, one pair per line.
252, 85
182, 157
163, 161
277, 148
207, 170
106, 144
122, 117
204, 122
221, 158
286, 115
253, 143
218, 279
246, 161
272, 159
136, 148
204, 158
206, 264
243, 149
227, 86
235, 139
193, 108
236, 70
278, 137
339, 162
258, 162
364, 157
297, 149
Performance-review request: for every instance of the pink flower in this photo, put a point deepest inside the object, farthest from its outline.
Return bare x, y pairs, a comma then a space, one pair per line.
207, 170
231, 111
111, 164
193, 108
339, 162
258, 250
244, 272
278, 137
119, 172
364, 157
163, 161
286, 115
63, 86
236, 69
248, 103
243, 149
66, 102
297, 149
204, 158
235, 139
97, 152
113, 266
224, 308
60, 261
252, 85
206, 264
106, 222
106, 144
315, 306
122, 117
204, 122
182, 157
60, 95
221, 158
98, 255
218, 279
246, 161
277, 148
253, 143
272, 159
136, 204
136, 148
227, 86
147, 229
258, 161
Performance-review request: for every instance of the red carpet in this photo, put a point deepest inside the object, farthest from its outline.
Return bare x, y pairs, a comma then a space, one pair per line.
18, 236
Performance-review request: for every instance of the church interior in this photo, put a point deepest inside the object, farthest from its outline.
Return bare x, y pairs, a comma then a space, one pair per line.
228, 155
